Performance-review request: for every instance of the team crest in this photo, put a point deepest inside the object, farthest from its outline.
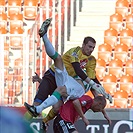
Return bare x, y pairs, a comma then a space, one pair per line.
75, 54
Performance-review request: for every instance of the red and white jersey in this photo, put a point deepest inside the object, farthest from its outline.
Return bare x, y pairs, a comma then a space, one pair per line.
68, 112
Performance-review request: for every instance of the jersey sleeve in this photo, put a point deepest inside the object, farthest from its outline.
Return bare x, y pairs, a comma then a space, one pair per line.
90, 67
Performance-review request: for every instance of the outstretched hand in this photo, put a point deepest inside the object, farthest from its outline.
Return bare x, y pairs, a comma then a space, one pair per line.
108, 119
35, 78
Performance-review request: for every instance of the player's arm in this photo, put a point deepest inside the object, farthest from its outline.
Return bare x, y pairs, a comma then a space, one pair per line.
78, 108
106, 117
83, 76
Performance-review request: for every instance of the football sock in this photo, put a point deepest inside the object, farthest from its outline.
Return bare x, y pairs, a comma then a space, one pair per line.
49, 116
53, 99
49, 47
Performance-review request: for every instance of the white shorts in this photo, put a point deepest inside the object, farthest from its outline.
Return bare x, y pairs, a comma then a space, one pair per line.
74, 89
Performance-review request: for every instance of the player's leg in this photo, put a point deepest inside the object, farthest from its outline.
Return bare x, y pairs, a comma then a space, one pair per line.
46, 87
50, 101
49, 47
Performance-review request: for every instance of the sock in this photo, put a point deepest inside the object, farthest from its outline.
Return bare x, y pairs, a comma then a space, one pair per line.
28, 116
49, 116
49, 47
53, 99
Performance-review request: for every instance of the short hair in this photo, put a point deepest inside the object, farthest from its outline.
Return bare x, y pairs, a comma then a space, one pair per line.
101, 100
88, 38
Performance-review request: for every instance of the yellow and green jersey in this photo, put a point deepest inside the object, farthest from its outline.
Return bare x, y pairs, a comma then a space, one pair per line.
87, 63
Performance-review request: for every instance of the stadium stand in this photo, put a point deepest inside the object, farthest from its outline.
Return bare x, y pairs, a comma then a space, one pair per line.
20, 19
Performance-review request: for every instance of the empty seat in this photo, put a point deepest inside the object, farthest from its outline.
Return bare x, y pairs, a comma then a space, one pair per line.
126, 78
105, 52
115, 67
121, 52
16, 41
120, 103
3, 30
129, 21
14, 2
11, 10
2, 6
116, 22
100, 71
18, 63
3, 16
110, 36
122, 7
121, 94
129, 67
100, 63
126, 87
17, 30
126, 36
31, 3
30, 13
110, 83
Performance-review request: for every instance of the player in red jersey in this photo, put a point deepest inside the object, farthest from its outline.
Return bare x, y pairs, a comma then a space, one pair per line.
72, 110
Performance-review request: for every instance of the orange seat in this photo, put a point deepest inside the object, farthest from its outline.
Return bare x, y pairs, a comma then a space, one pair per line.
126, 36
126, 32
110, 36
16, 16
17, 30
100, 68
129, 25
110, 78
14, 2
110, 83
16, 21
11, 10
3, 24
104, 52
121, 52
100, 63
2, 6
18, 63
129, 70
126, 78
115, 67
129, 63
122, 7
3, 16
100, 71
16, 41
31, 2
116, 22
121, 94
2, 2
30, 13
126, 87
120, 103
3, 30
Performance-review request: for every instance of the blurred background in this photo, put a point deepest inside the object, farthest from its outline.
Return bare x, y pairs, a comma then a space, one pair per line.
22, 52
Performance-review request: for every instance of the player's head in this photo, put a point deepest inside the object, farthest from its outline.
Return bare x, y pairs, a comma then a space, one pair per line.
88, 45
99, 103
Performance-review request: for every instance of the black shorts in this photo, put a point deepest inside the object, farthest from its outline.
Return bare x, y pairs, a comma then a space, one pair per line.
46, 87
61, 126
